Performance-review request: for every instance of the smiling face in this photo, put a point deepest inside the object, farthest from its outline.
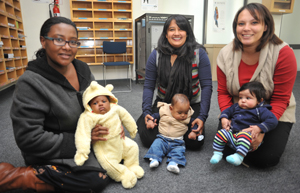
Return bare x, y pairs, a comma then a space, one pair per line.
60, 56
247, 100
249, 30
100, 104
180, 110
176, 37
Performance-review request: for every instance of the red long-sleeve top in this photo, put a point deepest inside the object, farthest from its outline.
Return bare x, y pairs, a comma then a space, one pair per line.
284, 78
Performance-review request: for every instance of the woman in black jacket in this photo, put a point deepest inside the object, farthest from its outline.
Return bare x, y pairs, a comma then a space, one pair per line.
46, 106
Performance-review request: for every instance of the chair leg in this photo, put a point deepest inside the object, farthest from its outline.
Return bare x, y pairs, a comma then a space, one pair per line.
104, 71
129, 76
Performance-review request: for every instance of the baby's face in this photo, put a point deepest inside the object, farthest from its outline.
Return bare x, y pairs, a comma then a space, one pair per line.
100, 104
180, 111
247, 100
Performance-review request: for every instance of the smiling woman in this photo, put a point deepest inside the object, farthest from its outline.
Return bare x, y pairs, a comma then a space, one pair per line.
178, 65
257, 54
249, 30
176, 36
59, 53
46, 107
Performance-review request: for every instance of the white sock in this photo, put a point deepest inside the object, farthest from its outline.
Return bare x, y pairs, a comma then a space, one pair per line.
154, 163
173, 167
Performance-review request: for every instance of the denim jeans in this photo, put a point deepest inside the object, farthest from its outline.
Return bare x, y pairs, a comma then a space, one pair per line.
174, 149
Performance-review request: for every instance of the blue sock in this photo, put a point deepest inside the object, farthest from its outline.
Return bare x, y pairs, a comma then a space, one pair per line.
216, 157
235, 159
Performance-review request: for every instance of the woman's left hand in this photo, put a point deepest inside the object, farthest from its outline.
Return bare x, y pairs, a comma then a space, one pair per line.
200, 124
122, 133
97, 133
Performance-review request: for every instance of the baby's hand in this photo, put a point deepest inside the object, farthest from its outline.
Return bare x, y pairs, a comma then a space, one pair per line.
225, 124
80, 158
151, 124
192, 135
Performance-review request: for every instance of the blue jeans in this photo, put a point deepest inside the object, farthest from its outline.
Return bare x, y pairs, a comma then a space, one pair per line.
173, 149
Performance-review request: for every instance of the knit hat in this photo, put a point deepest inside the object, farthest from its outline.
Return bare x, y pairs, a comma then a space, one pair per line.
96, 89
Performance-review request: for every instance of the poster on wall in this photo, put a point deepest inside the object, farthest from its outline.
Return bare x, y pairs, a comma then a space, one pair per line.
47, 1
149, 5
219, 15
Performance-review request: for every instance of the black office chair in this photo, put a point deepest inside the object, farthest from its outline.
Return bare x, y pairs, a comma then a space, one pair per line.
115, 48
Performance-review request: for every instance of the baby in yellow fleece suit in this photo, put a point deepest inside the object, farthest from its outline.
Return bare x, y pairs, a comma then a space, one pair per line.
101, 108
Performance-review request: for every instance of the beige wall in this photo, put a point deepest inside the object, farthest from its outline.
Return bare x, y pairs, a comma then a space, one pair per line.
34, 14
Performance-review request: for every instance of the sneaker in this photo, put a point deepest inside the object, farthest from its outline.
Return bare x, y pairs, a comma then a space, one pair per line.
173, 167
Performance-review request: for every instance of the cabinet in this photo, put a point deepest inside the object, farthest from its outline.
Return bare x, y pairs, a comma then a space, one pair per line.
13, 54
98, 21
212, 53
279, 6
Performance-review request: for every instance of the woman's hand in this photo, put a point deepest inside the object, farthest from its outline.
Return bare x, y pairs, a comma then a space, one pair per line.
98, 132
199, 130
257, 141
254, 130
149, 117
226, 124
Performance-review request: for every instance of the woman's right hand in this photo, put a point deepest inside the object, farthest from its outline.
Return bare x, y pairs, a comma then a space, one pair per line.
257, 141
147, 117
98, 132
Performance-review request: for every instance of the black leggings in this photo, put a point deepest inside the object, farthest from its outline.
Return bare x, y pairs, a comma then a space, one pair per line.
148, 135
64, 180
271, 149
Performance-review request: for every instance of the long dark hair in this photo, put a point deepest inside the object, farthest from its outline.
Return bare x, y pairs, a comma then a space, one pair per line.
187, 49
178, 78
261, 14
46, 28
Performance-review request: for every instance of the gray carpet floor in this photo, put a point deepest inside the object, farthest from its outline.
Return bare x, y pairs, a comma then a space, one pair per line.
198, 175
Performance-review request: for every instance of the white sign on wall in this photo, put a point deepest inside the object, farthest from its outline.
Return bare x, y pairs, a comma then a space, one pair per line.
149, 5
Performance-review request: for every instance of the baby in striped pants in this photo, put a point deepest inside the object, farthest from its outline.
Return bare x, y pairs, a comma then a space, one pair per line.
242, 122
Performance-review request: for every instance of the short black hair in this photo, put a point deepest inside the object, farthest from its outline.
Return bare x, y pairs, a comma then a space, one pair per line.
255, 87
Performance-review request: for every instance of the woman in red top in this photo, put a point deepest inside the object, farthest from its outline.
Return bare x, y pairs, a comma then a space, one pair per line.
257, 54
